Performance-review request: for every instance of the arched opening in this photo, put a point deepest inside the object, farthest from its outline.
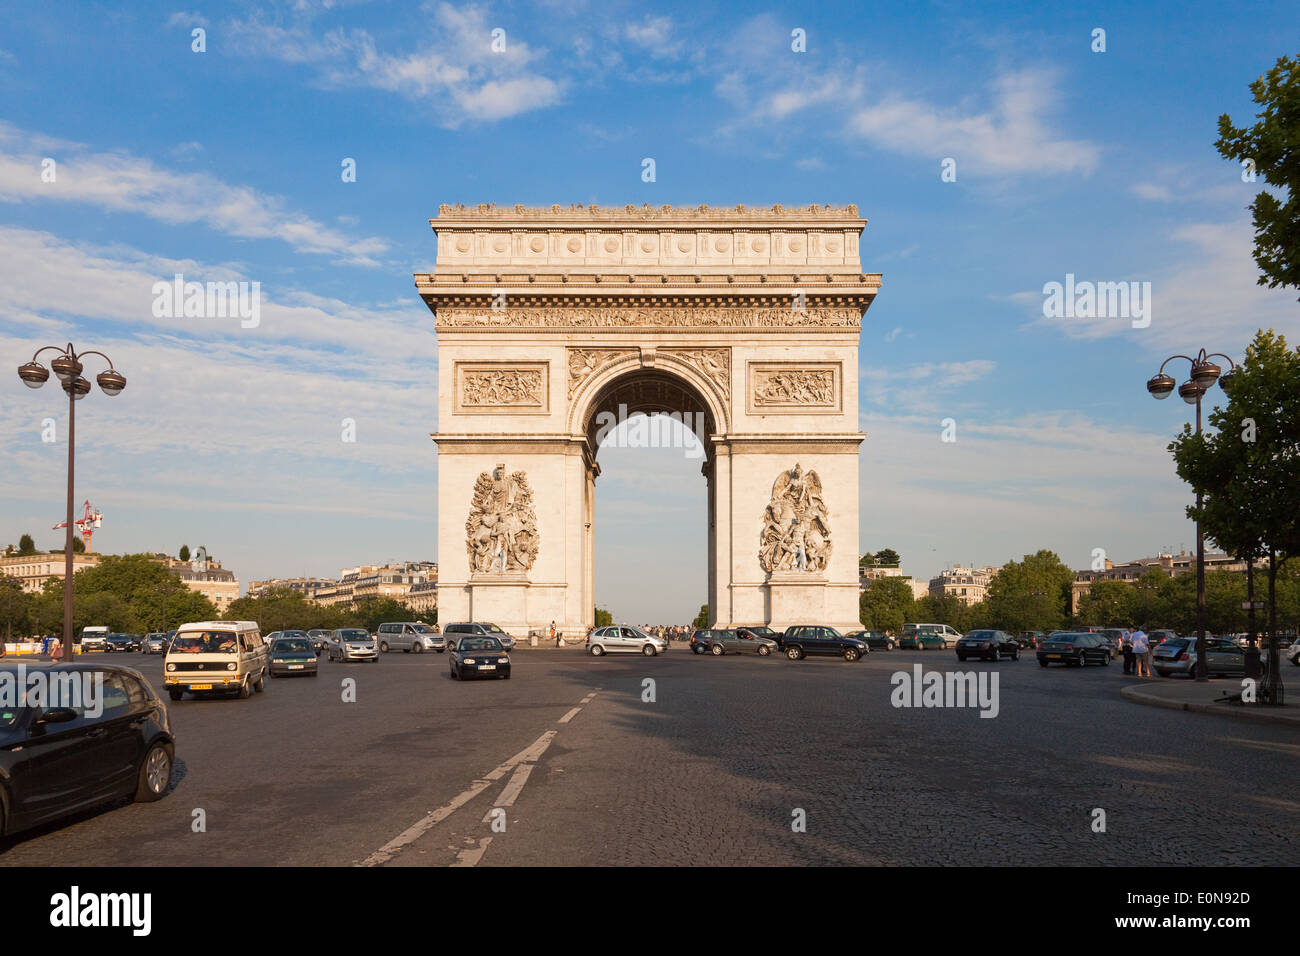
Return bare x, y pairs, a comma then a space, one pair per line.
651, 440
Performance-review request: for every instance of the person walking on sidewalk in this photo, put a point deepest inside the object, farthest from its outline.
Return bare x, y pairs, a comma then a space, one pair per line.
555, 635
1142, 652
1126, 645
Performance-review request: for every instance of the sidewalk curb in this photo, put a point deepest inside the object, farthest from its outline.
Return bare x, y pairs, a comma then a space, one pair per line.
1237, 711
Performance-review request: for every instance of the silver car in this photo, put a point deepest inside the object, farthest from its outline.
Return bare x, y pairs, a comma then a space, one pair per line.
409, 636
155, 643
453, 632
624, 639
351, 644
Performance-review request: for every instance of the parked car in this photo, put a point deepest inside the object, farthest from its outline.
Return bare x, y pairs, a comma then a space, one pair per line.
454, 632
1030, 639
411, 636
923, 637
624, 639
1114, 640
701, 640
59, 760
1074, 649
294, 656
762, 630
806, 640
1177, 657
740, 640
988, 645
351, 644
874, 639
1159, 637
123, 642
476, 656
216, 657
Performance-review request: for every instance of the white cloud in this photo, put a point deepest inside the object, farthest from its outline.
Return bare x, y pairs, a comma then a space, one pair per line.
121, 182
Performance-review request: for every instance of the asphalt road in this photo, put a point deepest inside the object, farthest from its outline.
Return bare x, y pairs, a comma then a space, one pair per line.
730, 752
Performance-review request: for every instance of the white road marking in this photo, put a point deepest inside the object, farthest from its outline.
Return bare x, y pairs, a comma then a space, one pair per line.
471, 855
569, 716
512, 789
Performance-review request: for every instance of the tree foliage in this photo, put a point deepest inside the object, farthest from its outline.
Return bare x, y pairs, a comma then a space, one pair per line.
603, 617
1031, 595
886, 605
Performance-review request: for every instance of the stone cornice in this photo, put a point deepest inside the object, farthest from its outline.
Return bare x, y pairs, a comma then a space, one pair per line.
491, 212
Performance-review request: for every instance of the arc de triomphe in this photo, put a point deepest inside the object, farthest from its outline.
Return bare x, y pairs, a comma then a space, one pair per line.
548, 317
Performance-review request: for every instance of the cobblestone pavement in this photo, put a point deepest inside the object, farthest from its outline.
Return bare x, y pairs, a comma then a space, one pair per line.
710, 772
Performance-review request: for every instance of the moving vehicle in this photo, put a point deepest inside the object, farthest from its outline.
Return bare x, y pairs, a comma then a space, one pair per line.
701, 638
154, 643
924, 637
294, 656
123, 642
214, 657
57, 760
1074, 649
740, 640
802, 641
624, 639
453, 632
988, 645
94, 637
352, 644
476, 656
318, 637
1030, 639
874, 639
410, 636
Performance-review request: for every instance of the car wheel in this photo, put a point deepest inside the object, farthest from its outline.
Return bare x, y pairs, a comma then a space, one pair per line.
155, 773
716, 650
850, 654
697, 649
1016, 655
417, 648
1083, 659
962, 658
597, 650
245, 690
383, 647
260, 684
175, 693
649, 650
764, 650
1042, 663
793, 653
1105, 661
506, 675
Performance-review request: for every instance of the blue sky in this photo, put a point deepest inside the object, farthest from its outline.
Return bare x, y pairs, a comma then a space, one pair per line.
226, 164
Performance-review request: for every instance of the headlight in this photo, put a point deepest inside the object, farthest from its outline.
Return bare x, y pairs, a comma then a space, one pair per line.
171, 667
503, 660
230, 666
468, 660
277, 660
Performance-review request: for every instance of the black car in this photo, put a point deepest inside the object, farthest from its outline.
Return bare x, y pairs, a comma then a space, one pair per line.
293, 657
1030, 639
1074, 648
800, 641
701, 641
988, 645
475, 656
56, 760
874, 639
123, 642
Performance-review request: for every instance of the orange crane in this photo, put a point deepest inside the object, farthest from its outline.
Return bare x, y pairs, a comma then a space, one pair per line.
86, 524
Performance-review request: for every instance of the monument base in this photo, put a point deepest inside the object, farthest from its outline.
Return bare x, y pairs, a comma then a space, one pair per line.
500, 599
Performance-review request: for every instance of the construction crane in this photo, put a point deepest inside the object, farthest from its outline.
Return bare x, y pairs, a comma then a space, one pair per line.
86, 524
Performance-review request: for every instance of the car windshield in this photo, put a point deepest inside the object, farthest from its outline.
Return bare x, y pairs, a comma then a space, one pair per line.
480, 644
204, 642
354, 634
493, 629
423, 629
982, 635
295, 633
293, 646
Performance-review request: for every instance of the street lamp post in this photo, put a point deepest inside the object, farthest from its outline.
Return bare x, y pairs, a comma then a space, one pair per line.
1204, 374
67, 366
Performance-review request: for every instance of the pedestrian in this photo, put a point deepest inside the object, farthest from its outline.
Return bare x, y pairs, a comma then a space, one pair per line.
1126, 645
1142, 652
555, 636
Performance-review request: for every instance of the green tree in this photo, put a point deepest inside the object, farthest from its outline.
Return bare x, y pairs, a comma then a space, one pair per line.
124, 592
26, 546
868, 560
375, 611
1271, 148
888, 558
78, 546
1031, 595
886, 605
1247, 470
15, 606
1108, 602
702, 619
603, 617
940, 609
184, 553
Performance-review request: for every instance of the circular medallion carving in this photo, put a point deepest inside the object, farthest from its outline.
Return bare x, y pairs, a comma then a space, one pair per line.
611, 244
760, 245
647, 244
462, 244
574, 244
537, 244
833, 245
499, 244
796, 245
683, 244
721, 244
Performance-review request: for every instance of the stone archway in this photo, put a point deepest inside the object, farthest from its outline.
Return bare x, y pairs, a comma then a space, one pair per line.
547, 317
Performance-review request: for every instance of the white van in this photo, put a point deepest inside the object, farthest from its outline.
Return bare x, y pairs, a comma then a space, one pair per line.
94, 637
216, 657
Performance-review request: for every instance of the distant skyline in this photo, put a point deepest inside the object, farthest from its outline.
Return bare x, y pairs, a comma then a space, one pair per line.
228, 164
